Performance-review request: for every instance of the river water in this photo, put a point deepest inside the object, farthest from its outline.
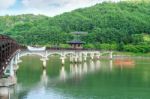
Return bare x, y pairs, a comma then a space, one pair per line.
97, 79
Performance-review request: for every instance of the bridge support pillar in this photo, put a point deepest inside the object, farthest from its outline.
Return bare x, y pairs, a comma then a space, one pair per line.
18, 58
76, 59
63, 60
85, 58
80, 57
15, 64
92, 56
44, 59
71, 58
11, 68
44, 63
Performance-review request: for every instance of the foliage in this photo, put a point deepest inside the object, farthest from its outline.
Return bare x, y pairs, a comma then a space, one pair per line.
111, 26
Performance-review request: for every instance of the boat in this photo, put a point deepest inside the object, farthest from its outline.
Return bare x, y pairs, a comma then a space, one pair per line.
30, 48
124, 63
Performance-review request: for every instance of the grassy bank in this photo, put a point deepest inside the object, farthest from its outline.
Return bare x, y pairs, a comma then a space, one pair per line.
132, 54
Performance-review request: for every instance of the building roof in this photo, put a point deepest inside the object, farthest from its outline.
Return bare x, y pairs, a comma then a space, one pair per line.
75, 42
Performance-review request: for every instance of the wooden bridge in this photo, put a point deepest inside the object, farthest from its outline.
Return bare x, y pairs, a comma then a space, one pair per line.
8, 48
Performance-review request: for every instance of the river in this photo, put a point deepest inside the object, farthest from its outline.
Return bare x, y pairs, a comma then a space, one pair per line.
97, 79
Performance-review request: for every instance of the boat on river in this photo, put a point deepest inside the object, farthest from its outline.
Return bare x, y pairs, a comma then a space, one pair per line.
30, 48
125, 63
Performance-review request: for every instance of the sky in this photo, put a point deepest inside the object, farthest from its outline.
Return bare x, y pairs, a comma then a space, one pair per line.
44, 7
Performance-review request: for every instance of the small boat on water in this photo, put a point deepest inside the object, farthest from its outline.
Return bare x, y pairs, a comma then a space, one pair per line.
30, 48
125, 63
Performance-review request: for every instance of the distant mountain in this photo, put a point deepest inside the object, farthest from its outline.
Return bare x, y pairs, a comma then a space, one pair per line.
106, 23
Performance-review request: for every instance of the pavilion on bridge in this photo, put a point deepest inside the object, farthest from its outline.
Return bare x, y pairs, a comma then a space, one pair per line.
76, 43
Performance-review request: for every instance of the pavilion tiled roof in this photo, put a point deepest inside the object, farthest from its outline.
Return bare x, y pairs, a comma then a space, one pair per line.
75, 42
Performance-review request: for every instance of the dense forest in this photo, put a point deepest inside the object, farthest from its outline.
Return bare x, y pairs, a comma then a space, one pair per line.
123, 26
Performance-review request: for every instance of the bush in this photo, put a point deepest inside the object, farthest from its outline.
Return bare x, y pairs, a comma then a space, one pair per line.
89, 46
143, 48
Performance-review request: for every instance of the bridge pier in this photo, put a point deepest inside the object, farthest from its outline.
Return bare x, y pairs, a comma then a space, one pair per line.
76, 59
63, 60
18, 57
80, 57
44, 59
15, 63
85, 58
44, 63
10, 72
11, 68
71, 58
92, 56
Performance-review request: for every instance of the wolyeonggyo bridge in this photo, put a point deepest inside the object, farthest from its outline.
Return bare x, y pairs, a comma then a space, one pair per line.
11, 52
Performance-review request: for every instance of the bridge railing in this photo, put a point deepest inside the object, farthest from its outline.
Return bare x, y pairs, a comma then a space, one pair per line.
59, 48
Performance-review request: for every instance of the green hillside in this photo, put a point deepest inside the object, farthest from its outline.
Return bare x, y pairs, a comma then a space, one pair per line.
109, 25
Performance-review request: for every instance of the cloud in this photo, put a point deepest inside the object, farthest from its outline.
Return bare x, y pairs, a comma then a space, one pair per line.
45, 7
55, 7
5, 4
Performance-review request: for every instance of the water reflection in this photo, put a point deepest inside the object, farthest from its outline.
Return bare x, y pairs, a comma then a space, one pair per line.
92, 66
124, 63
4, 93
44, 78
98, 65
85, 68
55, 82
7, 93
111, 65
79, 70
63, 73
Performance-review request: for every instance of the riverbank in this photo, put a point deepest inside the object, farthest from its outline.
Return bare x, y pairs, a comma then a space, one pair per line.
132, 54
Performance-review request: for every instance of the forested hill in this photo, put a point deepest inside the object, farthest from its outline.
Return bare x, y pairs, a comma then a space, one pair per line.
118, 24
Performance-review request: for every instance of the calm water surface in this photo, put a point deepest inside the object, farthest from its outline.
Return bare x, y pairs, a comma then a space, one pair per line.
104, 79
